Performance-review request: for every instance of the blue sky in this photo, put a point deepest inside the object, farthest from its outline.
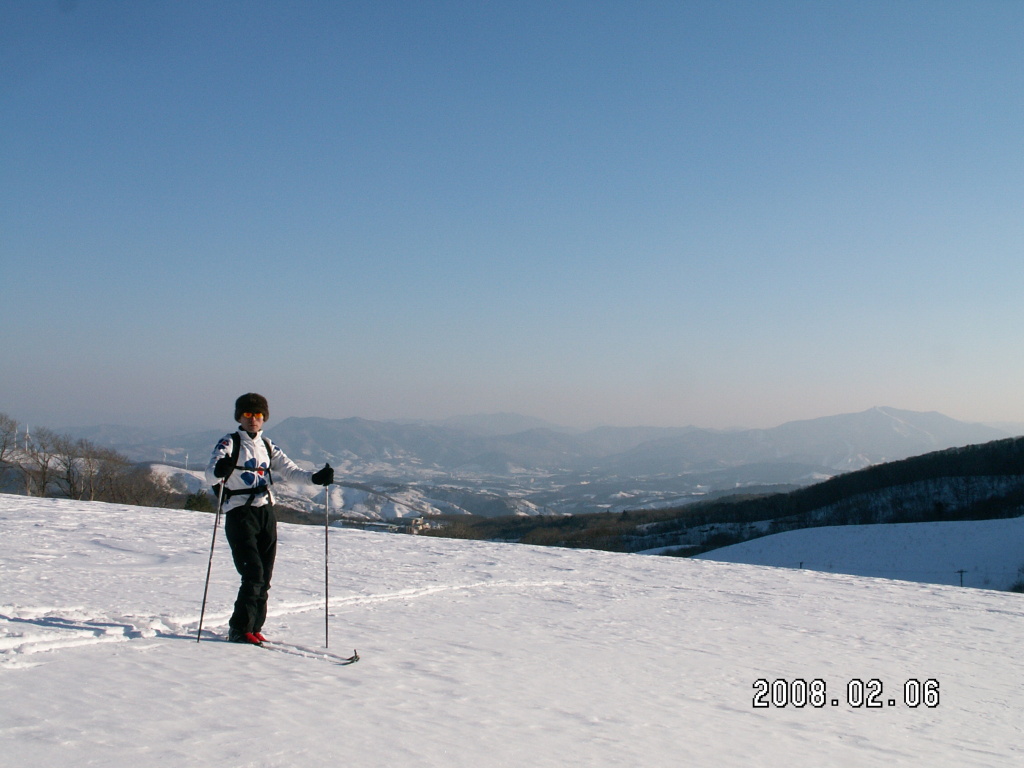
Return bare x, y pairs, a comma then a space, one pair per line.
668, 213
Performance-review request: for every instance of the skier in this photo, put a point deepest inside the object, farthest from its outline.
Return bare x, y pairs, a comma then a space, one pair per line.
247, 463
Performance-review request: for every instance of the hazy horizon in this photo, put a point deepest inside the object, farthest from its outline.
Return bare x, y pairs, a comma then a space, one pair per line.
719, 214
226, 423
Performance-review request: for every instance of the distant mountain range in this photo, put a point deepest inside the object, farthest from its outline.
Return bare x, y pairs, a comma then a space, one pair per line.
836, 443
487, 466
826, 445
508, 446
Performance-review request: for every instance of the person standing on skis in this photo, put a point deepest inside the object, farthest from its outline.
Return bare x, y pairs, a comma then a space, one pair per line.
247, 463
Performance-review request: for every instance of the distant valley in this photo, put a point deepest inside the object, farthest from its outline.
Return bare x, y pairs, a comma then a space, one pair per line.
508, 464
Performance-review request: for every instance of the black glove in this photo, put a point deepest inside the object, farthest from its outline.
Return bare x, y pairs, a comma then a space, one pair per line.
323, 476
223, 467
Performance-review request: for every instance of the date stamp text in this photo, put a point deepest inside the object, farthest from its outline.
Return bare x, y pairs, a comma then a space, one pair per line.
856, 693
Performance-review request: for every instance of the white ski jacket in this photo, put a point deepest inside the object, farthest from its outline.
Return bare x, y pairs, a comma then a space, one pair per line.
255, 470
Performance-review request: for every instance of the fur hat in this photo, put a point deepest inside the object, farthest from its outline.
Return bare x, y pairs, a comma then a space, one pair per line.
251, 403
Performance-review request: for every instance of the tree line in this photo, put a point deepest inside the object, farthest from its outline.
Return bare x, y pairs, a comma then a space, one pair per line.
41, 462
970, 483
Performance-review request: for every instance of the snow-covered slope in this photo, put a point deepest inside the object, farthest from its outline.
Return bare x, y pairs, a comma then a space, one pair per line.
476, 654
985, 553
351, 502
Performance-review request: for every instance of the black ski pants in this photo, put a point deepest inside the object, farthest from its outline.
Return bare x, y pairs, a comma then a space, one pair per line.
252, 534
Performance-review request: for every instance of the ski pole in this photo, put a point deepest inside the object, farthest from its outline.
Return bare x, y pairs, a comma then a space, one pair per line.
327, 600
209, 565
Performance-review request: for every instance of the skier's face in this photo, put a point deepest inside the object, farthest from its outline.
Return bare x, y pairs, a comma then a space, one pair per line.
251, 422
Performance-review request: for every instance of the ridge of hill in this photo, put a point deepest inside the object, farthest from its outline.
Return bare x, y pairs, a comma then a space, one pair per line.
974, 482
479, 447
479, 468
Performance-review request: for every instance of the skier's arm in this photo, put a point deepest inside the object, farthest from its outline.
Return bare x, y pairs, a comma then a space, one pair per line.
220, 451
286, 469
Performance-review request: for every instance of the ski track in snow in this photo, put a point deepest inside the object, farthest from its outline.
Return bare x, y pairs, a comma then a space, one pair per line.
29, 630
474, 654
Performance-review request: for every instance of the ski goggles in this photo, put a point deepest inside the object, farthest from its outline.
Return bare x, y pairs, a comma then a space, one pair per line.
252, 415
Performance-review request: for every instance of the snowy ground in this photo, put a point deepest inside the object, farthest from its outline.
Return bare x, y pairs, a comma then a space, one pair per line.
987, 554
476, 654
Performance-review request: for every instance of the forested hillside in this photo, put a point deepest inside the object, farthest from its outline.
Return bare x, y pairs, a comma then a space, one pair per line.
974, 482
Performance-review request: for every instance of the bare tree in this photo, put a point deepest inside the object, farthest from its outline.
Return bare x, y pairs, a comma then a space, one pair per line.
38, 466
109, 478
68, 470
137, 484
81, 470
91, 460
8, 443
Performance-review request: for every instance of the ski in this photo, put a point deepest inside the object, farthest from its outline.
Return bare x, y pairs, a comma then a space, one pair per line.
310, 653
